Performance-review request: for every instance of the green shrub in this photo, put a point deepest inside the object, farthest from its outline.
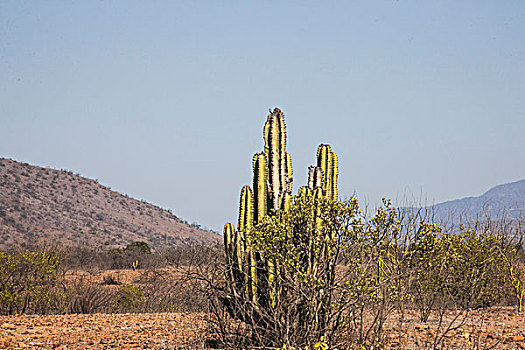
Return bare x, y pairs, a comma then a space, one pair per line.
29, 281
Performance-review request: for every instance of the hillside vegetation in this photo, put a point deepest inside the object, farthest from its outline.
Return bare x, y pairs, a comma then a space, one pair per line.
55, 205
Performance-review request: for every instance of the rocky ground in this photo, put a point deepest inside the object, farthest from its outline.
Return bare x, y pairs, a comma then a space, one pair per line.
103, 331
496, 328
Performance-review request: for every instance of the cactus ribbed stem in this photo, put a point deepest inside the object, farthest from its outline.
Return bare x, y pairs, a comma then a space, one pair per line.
251, 273
228, 243
335, 173
289, 173
327, 161
315, 177
304, 191
287, 201
246, 209
248, 257
260, 186
239, 242
279, 163
318, 195
283, 157
229, 249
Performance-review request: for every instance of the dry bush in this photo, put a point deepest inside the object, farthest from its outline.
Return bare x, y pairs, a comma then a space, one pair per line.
46, 280
85, 297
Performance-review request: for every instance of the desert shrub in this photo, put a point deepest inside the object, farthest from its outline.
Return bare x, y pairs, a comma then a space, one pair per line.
375, 278
457, 270
84, 297
509, 239
178, 291
139, 247
86, 258
476, 278
128, 298
191, 255
29, 282
136, 254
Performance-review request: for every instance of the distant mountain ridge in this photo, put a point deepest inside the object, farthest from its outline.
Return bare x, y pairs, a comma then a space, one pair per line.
508, 199
39, 203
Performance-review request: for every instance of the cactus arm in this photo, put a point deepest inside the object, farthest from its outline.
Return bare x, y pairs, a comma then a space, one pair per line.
266, 136
239, 254
273, 161
318, 195
318, 177
283, 156
279, 163
323, 161
287, 201
311, 176
335, 173
289, 172
260, 186
229, 248
228, 243
304, 191
246, 209
328, 174
247, 261
253, 277
315, 177
327, 161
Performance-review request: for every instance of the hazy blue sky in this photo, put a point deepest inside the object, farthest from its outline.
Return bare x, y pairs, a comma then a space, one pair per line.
166, 100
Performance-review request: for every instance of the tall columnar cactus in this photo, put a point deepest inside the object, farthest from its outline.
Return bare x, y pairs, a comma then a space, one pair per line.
251, 275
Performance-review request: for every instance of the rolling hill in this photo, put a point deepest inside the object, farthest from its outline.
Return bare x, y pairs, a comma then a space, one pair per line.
39, 203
